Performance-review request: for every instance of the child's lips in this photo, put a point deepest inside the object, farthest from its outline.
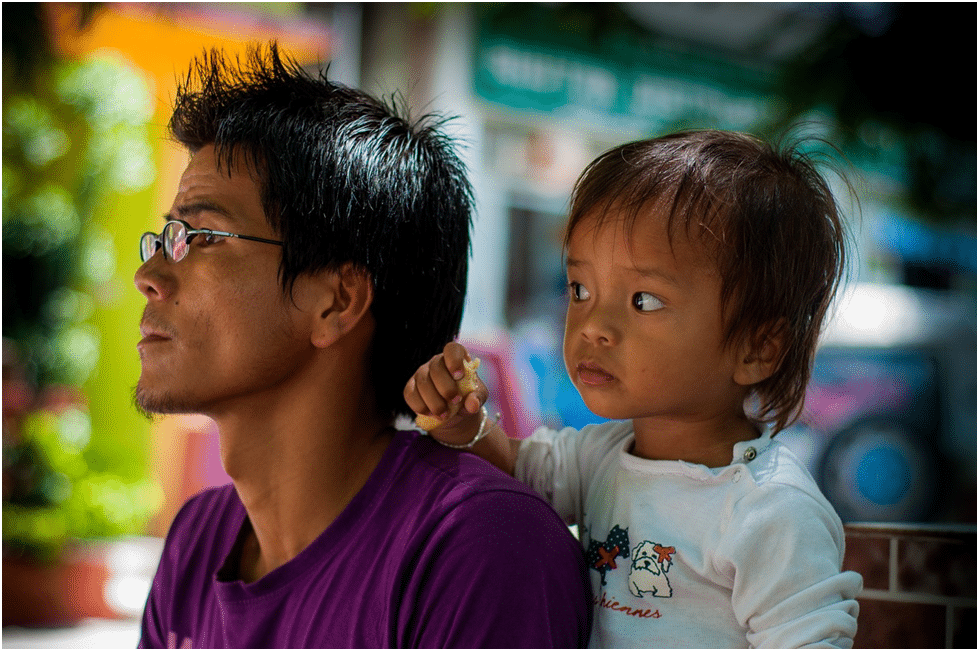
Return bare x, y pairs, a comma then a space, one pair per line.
593, 375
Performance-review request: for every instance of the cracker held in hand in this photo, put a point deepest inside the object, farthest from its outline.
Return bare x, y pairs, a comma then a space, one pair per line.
466, 385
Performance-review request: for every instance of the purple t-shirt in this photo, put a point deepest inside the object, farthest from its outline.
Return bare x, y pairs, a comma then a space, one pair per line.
439, 549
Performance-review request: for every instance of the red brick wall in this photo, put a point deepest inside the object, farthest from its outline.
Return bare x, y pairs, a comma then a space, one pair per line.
919, 584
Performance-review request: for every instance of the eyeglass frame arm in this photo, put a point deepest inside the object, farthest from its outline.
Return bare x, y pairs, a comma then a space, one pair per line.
191, 232
207, 231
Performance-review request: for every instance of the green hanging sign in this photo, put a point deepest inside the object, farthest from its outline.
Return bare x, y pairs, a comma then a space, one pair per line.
525, 58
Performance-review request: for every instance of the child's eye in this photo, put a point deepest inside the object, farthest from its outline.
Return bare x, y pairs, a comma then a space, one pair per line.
646, 302
578, 291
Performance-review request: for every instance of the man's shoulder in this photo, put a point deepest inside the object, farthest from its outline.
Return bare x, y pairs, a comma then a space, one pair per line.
464, 473
447, 480
478, 526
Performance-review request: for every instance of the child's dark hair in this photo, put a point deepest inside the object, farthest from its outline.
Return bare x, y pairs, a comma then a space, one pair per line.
769, 222
345, 178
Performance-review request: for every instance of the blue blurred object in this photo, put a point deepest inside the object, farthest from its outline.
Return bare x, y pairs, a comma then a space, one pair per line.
889, 426
884, 475
881, 469
539, 344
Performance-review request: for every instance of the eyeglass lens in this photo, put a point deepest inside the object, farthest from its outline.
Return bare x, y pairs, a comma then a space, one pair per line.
148, 244
173, 239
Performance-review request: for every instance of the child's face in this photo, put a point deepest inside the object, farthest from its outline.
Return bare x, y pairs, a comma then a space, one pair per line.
644, 330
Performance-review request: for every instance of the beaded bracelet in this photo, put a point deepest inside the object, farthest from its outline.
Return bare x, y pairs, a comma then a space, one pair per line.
483, 431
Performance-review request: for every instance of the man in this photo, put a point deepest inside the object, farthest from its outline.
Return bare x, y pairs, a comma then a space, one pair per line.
314, 256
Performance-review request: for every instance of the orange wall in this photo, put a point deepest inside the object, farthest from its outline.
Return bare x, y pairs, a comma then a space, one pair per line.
162, 39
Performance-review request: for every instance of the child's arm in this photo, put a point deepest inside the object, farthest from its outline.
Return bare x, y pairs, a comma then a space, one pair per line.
785, 549
453, 412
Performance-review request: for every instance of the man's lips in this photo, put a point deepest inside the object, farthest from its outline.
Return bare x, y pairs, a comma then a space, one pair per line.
153, 331
593, 375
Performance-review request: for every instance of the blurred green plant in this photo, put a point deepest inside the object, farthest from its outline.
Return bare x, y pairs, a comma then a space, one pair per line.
64, 148
55, 495
75, 138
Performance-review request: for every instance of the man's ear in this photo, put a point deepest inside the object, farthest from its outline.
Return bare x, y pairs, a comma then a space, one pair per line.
343, 303
760, 355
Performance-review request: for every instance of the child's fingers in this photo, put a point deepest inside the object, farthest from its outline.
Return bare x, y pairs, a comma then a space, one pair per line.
420, 392
442, 382
413, 398
432, 400
457, 359
440, 386
476, 399
455, 356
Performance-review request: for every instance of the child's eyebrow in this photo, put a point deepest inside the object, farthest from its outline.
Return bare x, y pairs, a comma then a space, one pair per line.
648, 272
653, 272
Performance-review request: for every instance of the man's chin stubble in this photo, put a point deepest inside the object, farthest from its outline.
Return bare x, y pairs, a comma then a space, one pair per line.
150, 406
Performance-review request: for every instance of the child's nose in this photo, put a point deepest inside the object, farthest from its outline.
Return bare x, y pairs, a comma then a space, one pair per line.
600, 327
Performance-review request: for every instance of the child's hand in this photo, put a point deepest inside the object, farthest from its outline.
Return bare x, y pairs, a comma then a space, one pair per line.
447, 394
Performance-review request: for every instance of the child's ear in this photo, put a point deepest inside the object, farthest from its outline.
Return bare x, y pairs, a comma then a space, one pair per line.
344, 299
759, 356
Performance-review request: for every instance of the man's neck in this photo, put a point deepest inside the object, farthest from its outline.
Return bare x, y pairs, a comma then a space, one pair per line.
297, 460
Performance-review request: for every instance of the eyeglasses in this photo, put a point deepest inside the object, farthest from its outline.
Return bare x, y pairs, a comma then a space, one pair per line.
176, 236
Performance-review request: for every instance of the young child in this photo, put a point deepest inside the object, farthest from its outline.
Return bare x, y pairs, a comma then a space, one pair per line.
700, 267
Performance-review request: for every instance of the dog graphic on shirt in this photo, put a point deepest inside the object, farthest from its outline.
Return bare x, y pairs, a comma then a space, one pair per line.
650, 563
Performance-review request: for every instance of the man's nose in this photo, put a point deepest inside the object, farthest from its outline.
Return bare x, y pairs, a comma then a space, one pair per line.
153, 279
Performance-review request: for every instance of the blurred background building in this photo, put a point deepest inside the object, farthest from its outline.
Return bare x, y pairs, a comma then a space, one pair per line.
539, 89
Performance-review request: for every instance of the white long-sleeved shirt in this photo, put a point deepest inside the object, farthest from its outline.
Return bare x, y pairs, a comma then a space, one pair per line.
683, 555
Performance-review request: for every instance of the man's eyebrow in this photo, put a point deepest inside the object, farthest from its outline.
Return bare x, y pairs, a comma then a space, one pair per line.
196, 208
